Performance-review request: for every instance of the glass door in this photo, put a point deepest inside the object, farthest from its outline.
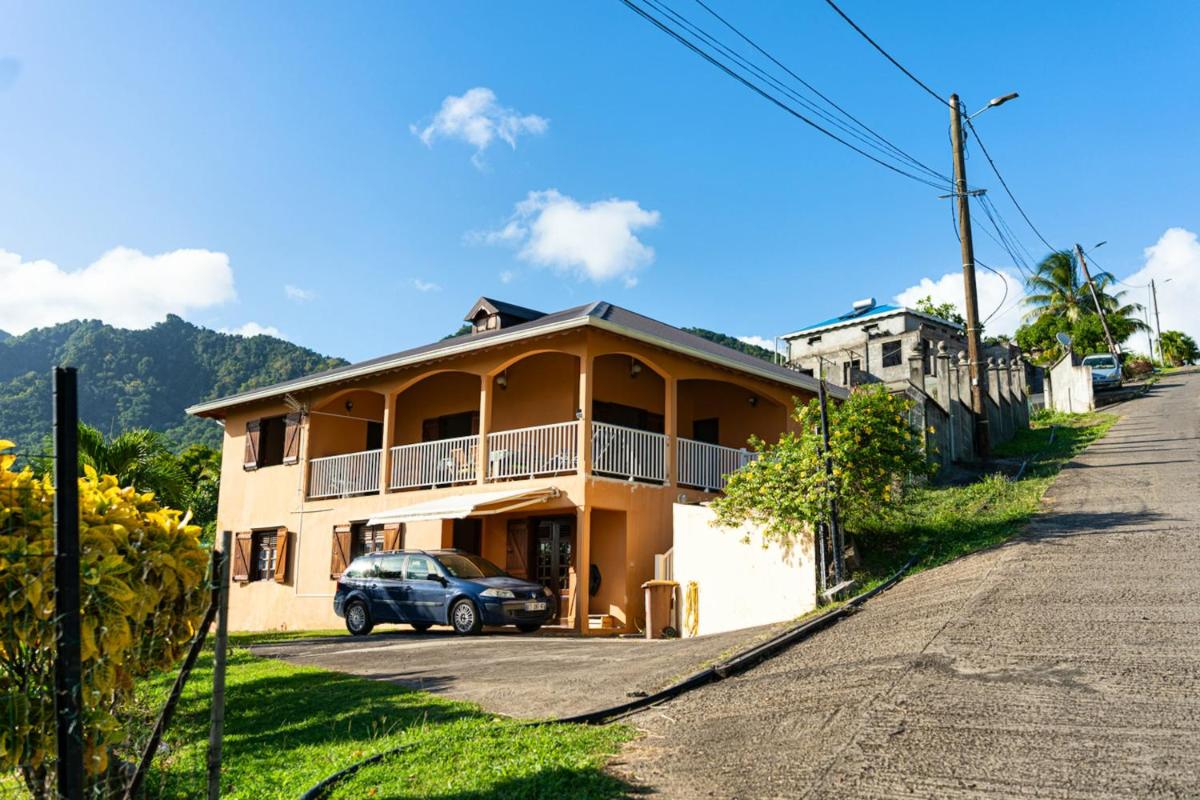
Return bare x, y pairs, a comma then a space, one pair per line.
554, 549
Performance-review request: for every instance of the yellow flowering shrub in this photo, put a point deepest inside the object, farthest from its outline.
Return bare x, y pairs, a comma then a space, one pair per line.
142, 574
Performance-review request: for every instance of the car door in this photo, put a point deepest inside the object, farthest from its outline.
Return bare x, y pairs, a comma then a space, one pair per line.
426, 598
389, 591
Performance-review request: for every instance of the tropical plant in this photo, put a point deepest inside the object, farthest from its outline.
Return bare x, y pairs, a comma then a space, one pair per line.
876, 454
138, 458
202, 465
946, 311
1178, 348
142, 569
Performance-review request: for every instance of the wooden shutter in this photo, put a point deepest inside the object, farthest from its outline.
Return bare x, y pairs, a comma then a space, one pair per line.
282, 552
517, 548
341, 551
393, 533
253, 432
241, 557
291, 438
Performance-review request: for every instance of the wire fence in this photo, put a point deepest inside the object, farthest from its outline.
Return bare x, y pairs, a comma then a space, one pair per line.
104, 597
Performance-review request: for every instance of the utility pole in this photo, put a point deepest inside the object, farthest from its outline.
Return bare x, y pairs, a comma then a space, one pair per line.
1157, 325
974, 347
1112, 347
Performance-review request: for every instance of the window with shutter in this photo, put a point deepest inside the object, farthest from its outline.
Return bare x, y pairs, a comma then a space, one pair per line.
340, 558
517, 551
291, 438
241, 557
253, 434
393, 536
264, 555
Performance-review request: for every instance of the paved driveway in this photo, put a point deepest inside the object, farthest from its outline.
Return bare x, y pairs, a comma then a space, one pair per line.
539, 675
1065, 664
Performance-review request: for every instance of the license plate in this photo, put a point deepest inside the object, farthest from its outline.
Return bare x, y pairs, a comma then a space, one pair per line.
536, 606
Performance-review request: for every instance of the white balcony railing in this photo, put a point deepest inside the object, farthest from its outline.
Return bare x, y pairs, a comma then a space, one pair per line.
342, 476
540, 450
628, 453
440, 463
706, 466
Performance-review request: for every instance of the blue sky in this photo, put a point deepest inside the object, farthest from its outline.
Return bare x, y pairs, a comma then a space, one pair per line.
199, 159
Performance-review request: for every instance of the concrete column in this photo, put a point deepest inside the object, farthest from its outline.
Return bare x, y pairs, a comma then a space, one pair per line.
583, 561
485, 427
389, 436
585, 413
670, 423
916, 365
966, 430
943, 378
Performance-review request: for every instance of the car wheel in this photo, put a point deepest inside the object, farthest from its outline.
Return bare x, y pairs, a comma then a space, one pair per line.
421, 627
465, 618
358, 620
528, 627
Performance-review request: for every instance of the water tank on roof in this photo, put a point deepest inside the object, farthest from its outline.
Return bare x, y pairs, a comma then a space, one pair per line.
865, 304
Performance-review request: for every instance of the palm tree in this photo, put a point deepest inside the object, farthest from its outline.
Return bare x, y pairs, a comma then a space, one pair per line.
1057, 287
139, 458
1178, 348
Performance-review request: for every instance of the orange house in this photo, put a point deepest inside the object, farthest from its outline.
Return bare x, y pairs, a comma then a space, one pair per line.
551, 444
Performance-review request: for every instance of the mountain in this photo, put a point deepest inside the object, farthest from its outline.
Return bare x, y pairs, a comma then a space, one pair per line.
139, 378
736, 344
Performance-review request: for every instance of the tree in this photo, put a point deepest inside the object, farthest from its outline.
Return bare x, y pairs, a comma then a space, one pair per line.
138, 458
142, 599
202, 465
1178, 348
946, 311
876, 454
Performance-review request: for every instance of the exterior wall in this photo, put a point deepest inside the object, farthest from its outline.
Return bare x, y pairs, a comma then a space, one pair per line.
702, 399
542, 389
1069, 386
851, 342
740, 581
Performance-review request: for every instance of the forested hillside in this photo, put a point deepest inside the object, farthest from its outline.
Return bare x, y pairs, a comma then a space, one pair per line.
139, 378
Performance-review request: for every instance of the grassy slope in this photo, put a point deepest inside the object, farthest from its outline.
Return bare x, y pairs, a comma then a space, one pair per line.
288, 727
945, 522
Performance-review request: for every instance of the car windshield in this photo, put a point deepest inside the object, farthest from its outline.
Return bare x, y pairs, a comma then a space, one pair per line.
461, 565
1099, 361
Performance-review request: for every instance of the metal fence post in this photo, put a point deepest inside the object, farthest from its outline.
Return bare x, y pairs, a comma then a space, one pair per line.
67, 668
216, 730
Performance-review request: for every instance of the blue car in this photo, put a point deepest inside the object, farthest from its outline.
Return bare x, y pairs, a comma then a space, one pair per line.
438, 587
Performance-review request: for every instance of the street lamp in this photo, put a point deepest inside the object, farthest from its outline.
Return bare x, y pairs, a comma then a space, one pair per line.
995, 101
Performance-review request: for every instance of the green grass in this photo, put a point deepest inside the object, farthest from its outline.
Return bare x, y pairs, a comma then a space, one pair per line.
287, 727
945, 522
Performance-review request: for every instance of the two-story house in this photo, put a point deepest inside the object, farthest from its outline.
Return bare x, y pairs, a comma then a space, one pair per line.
552, 444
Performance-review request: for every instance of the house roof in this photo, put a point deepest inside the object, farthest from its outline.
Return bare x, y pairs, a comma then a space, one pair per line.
501, 307
599, 314
856, 315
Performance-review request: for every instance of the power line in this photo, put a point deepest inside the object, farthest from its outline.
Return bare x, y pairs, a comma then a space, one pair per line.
816, 91
749, 84
887, 55
1004, 183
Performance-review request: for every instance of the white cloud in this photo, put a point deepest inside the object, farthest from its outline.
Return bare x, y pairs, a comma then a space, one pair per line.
1175, 257
507, 276
124, 287
478, 119
298, 295
594, 240
254, 329
995, 294
425, 286
764, 342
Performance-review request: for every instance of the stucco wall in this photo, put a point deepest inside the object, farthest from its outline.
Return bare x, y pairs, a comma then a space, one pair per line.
740, 584
1069, 386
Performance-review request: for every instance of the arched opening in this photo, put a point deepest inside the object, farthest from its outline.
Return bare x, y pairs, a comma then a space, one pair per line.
714, 422
435, 436
535, 408
628, 419
345, 444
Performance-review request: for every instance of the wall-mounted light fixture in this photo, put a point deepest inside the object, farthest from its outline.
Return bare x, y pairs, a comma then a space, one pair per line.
579, 413
753, 401
349, 405
502, 380
635, 368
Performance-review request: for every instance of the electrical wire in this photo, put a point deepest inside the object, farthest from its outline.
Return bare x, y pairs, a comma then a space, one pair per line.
887, 55
1004, 183
817, 92
748, 83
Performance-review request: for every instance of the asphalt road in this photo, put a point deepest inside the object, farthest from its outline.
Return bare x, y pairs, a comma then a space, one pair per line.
1065, 664
519, 675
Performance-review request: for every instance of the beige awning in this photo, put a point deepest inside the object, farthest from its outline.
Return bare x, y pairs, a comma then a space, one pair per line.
466, 505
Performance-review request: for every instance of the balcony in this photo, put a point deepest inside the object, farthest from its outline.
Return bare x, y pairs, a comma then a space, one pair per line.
617, 452
345, 475
707, 466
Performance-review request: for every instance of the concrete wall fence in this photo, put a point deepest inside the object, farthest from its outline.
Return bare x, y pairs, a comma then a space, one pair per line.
1069, 386
741, 581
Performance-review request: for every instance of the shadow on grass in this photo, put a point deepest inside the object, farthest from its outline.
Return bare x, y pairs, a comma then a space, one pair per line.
579, 783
